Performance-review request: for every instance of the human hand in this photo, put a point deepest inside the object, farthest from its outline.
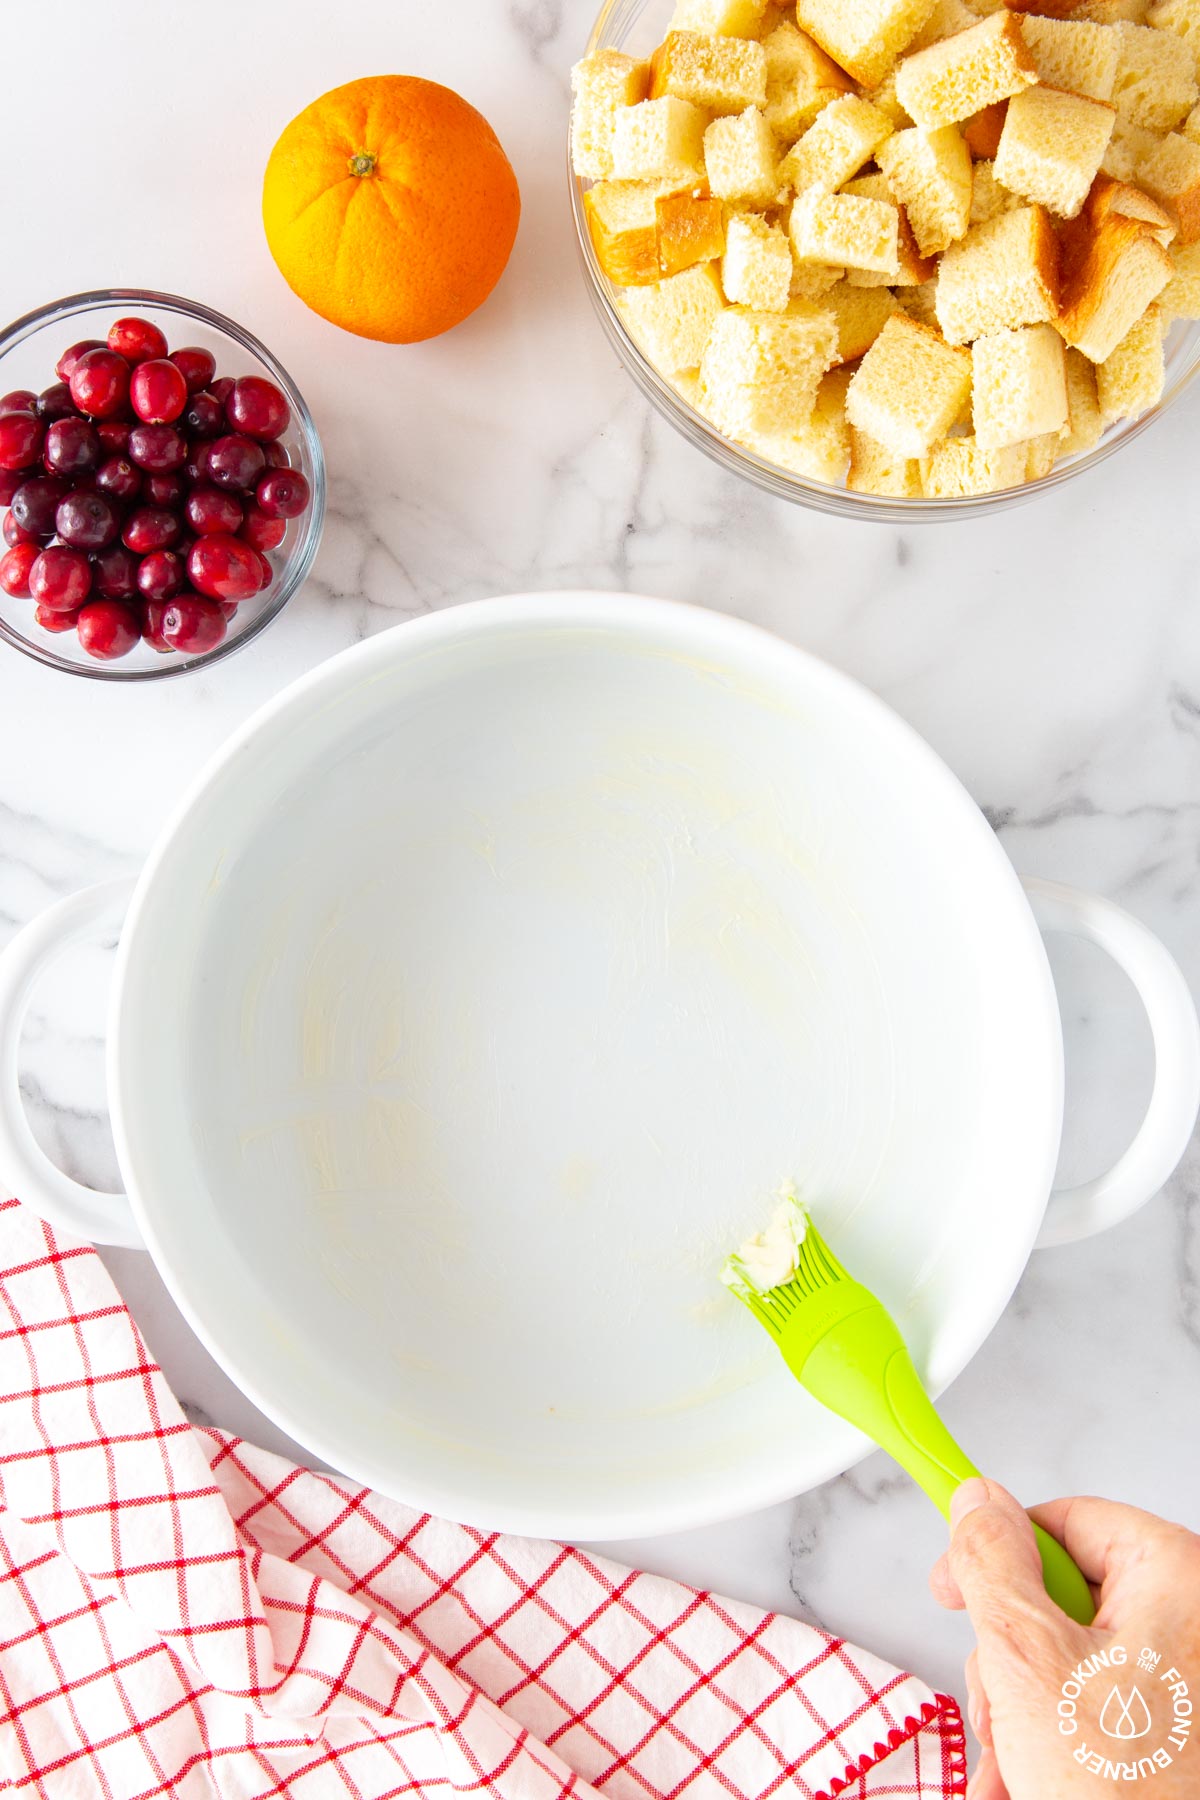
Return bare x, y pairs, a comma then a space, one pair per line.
1040, 1687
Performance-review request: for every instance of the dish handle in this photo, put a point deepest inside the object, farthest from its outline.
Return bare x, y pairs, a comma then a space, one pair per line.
25, 1169
1163, 1135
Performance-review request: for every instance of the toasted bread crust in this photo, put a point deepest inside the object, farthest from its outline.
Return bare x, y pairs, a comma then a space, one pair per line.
984, 129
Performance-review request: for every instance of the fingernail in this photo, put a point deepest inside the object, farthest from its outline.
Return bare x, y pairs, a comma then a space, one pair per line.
971, 1494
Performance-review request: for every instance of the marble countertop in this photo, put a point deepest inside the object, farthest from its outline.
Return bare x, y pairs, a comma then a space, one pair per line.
1051, 654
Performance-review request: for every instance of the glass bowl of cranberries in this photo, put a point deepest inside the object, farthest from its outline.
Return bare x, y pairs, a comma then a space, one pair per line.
162, 487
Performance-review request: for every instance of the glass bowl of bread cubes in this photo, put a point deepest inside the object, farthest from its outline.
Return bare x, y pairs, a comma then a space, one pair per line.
896, 258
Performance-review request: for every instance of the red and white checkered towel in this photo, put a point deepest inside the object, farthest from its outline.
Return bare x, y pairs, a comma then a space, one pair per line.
184, 1615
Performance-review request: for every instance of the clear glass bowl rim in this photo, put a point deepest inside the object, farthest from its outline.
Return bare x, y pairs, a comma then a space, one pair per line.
610, 32
300, 559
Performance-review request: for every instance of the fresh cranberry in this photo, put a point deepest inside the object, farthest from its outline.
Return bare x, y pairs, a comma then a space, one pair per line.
20, 400
150, 528
13, 534
157, 392
257, 408
119, 479
72, 447
283, 493
223, 567
114, 435
88, 521
15, 565
195, 469
164, 490
276, 455
49, 620
114, 573
160, 575
209, 509
35, 503
136, 339
107, 629
100, 384
151, 620
195, 365
10, 481
261, 530
157, 448
193, 625
204, 416
235, 462
21, 438
64, 368
60, 578
55, 402
228, 608
221, 389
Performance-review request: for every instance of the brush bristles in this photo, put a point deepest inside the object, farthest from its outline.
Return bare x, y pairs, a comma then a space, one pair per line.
816, 1268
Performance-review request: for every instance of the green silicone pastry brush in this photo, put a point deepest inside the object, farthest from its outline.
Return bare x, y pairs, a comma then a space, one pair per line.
843, 1345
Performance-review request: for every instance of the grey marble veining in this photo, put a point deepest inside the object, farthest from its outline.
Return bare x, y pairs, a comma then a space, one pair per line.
1051, 654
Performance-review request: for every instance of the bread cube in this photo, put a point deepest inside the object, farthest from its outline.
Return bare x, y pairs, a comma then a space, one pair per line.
760, 371
958, 77
843, 229
659, 140
981, 132
930, 175
1127, 149
1041, 454
691, 229
1170, 173
820, 449
1112, 12
864, 36
722, 74
886, 99
1085, 426
920, 303
756, 270
1004, 273
1052, 147
874, 470
860, 314
912, 268
602, 84
741, 159
909, 388
1156, 78
801, 80
1183, 18
812, 281
989, 197
1049, 9
1019, 385
1075, 55
962, 465
673, 320
947, 19
1130, 380
623, 221
726, 18
1191, 125
844, 136
1109, 196
1180, 299
1111, 273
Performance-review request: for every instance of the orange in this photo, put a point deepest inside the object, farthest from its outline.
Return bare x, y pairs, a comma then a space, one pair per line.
390, 207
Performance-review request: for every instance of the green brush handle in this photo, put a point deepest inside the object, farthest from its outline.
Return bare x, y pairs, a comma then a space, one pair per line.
845, 1348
